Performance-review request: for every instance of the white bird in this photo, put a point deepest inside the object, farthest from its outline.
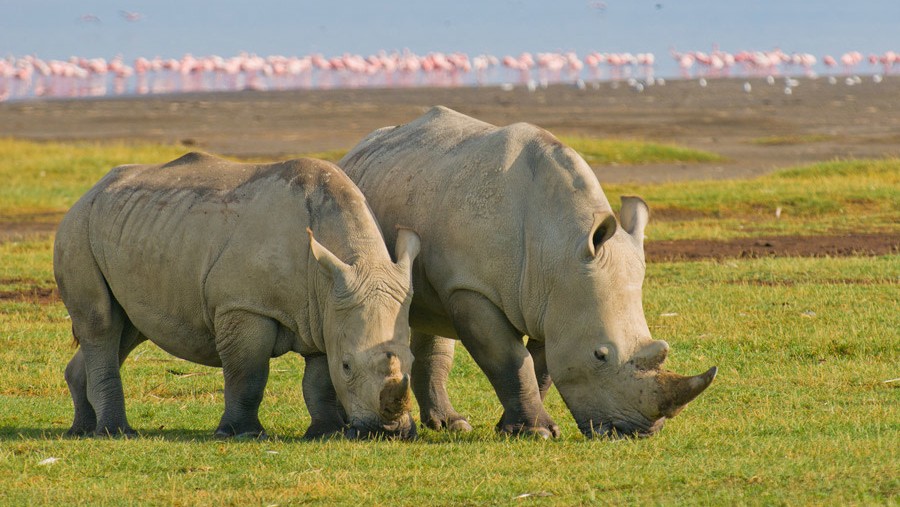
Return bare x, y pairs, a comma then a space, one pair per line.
747, 87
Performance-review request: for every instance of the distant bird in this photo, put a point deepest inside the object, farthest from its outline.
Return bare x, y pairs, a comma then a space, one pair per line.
131, 16
747, 87
89, 18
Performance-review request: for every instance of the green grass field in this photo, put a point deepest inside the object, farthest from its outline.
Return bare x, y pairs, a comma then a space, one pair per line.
805, 410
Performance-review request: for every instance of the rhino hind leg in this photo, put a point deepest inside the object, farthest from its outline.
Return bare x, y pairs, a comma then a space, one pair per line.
245, 343
85, 420
430, 371
100, 324
327, 414
498, 349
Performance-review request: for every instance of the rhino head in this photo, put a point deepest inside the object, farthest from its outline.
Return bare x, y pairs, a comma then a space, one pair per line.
601, 357
366, 332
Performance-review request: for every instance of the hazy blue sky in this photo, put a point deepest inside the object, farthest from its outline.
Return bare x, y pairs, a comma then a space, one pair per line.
170, 28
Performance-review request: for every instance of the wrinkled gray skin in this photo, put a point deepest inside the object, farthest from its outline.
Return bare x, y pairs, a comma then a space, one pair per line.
229, 265
518, 239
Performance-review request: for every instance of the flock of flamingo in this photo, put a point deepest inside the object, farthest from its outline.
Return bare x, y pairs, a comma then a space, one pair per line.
31, 77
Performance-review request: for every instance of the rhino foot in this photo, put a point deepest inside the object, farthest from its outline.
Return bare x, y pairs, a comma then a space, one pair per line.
543, 429
78, 432
323, 431
451, 422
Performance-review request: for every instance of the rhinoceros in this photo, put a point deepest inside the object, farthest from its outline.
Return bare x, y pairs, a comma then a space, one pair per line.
228, 265
518, 239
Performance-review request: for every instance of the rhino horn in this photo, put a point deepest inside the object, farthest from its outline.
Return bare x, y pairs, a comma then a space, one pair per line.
395, 397
652, 356
676, 391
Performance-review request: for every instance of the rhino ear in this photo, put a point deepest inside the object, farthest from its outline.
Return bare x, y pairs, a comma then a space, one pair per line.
634, 215
337, 269
407, 247
602, 229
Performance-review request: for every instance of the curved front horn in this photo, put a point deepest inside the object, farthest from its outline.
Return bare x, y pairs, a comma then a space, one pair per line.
676, 391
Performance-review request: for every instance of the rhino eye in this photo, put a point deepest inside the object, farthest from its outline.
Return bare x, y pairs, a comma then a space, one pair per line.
346, 368
601, 354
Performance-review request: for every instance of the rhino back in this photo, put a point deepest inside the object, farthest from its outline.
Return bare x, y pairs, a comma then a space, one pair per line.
497, 208
180, 242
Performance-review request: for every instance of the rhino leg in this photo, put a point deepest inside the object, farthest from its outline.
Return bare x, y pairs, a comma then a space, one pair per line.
245, 343
498, 349
536, 349
430, 371
326, 412
85, 421
100, 324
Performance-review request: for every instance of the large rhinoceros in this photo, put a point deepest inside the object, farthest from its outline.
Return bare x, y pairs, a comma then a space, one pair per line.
518, 239
210, 260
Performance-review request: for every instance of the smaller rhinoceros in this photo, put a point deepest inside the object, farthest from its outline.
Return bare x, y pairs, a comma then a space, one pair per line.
210, 260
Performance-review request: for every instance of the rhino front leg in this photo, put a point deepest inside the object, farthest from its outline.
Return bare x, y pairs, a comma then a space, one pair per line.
327, 414
536, 349
498, 349
85, 421
430, 371
245, 343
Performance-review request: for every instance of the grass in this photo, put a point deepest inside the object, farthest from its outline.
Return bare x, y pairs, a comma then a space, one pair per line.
44, 179
792, 139
631, 152
828, 197
800, 412
41, 180
47, 178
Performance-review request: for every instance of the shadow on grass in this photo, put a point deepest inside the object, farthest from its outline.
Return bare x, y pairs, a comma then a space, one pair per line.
12, 434
426, 436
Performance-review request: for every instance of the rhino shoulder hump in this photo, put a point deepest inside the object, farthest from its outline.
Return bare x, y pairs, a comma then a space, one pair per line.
194, 158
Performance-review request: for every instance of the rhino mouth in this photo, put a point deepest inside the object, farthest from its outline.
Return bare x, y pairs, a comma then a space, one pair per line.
616, 430
401, 429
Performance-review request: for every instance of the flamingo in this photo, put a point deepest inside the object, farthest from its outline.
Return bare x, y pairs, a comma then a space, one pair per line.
131, 17
31, 77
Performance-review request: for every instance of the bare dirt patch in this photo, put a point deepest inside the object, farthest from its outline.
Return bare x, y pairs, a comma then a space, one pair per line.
18, 231
31, 292
774, 246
